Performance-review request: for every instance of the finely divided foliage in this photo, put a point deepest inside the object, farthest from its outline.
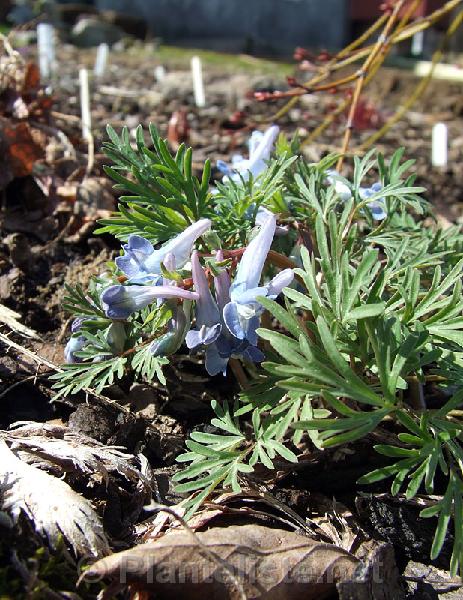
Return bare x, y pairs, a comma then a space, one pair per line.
368, 331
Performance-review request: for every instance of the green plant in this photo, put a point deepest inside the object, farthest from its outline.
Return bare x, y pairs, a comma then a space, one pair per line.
373, 318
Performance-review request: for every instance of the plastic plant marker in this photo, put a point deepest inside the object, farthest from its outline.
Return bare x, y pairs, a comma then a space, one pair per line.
86, 117
198, 83
439, 145
46, 49
101, 60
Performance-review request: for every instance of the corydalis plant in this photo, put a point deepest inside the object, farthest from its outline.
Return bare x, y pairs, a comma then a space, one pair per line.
224, 326
373, 322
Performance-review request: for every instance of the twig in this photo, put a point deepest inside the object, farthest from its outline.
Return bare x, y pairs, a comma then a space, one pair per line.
380, 46
419, 89
441, 583
9, 48
90, 153
17, 384
332, 65
70, 151
61, 234
239, 373
217, 560
343, 105
352, 53
65, 117
11, 319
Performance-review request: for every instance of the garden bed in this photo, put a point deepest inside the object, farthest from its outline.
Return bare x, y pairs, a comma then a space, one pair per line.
48, 220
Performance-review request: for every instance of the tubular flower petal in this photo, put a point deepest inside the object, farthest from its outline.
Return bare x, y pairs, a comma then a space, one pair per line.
260, 149
244, 291
279, 282
253, 259
207, 312
342, 189
120, 301
141, 262
222, 285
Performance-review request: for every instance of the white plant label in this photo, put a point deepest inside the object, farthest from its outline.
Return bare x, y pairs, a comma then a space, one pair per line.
439, 145
417, 43
101, 60
198, 83
46, 49
159, 73
86, 117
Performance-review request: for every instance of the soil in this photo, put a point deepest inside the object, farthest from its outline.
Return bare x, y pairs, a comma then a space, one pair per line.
48, 240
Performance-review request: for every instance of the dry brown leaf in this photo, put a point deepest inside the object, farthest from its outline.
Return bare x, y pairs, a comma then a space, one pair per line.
248, 504
72, 451
52, 506
118, 482
271, 564
20, 149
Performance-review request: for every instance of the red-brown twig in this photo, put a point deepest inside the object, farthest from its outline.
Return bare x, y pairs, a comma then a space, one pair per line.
379, 47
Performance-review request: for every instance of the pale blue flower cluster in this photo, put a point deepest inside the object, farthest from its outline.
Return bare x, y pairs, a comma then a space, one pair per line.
260, 149
377, 207
142, 265
227, 325
226, 322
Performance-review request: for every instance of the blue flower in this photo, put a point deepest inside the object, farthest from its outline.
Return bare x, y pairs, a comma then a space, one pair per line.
142, 263
377, 207
227, 346
260, 149
208, 326
241, 314
75, 344
211, 332
227, 325
120, 301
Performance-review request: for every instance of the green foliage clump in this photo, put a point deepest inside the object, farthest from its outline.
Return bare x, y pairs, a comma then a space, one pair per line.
371, 326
